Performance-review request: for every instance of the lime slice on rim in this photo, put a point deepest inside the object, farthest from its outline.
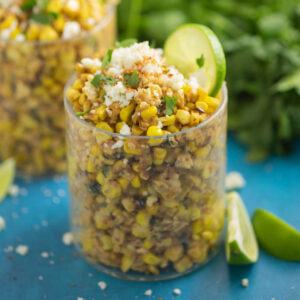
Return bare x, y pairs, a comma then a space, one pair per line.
192, 42
241, 245
275, 236
7, 174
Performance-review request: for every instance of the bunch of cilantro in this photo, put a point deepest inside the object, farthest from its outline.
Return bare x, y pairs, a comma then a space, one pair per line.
262, 43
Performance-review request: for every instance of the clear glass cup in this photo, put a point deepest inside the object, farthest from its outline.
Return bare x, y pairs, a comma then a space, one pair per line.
32, 79
147, 208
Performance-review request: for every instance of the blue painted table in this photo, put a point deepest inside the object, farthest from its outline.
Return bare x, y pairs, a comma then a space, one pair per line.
39, 218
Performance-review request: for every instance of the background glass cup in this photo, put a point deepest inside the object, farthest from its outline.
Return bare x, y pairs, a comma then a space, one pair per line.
32, 79
147, 208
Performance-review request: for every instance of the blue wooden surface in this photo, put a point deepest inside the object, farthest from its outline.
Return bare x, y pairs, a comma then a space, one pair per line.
39, 221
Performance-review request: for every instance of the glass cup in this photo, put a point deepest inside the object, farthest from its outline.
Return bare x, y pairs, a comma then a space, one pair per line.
32, 79
147, 208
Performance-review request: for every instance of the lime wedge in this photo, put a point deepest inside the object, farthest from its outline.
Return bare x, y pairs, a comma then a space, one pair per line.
275, 236
241, 245
194, 47
7, 174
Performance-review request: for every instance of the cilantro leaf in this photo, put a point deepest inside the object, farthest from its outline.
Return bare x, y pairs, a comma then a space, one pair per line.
28, 5
101, 78
44, 18
82, 113
200, 61
132, 79
126, 43
107, 58
170, 104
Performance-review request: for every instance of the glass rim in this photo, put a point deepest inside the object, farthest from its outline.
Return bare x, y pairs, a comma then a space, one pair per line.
209, 120
110, 8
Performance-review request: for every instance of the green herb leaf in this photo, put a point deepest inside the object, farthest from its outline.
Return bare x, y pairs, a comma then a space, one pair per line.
170, 104
105, 170
126, 43
42, 3
82, 113
28, 5
200, 61
132, 79
44, 18
101, 78
107, 58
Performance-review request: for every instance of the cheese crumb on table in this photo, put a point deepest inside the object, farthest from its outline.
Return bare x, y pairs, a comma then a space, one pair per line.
177, 291
67, 238
234, 180
245, 282
2, 224
22, 250
102, 285
148, 293
44, 254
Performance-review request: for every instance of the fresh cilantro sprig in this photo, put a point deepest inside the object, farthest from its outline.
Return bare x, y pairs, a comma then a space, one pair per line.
126, 43
170, 104
200, 61
44, 18
132, 79
28, 5
107, 58
101, 78
82, 113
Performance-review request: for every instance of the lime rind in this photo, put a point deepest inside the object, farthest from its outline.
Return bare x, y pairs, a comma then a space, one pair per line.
7, 174
241, 244
275, 236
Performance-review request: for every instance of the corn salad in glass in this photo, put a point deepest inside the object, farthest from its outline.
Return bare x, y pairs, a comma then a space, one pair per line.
40, 43
146, 153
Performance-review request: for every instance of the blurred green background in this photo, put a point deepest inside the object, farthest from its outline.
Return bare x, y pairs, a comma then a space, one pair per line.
261, 39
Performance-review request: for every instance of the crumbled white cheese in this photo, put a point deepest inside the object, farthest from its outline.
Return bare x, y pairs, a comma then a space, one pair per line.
68, 238
61, 192
20, 38
45, 254
160, 124
148, 293
125, 161
71, 29
116, 145
173, 79
22, 250
73, 5
125, 130
13, 190
193, 83
177, 291
2, 223
197, 77
245, 282
90, 91
91, 21
234, 180
114, 71
117, 93
40, 278
89, 63
102, 285
152, 69
9, 249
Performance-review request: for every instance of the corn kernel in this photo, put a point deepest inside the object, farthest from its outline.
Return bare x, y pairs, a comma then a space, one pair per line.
119, 126
183, 264
197, 226
154, 131
128, 204
48, 34
8, 22
173, 129
124, 183
130, 148
127, 262
112, 189
173, 253
126, 112
149, 112
90, 165
212, 102
101, 112
183, 116
203, 152
151, 259
136, 130
143, 218
59, 23
195, 118
202, 94
95, 150
147, 244
139, 231
202, 106
104, 126
100, 178
106, 242
168, 120
136, 182
160, 153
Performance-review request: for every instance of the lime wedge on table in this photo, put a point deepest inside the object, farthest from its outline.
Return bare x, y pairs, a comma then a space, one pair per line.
241, 245
275, 236
7, 174
192, 42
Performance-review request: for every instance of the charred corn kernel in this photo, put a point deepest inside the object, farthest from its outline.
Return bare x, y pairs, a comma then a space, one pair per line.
102, 222
124, 183
195, 118
90, 165
101, 112
186, 89
192, 146
168, 120
160, 153
212, 102
151, 259
173, 129
197, 253
197, 226
183, 116
112, 189
143, 218
154, 131
173, 253
100, 178
59, 23
139, 231
147, 244
47, 34
203, 152
8, 22
136, 182
77, 85
202, 94
126, 112
127, 262
190, 105
202, 106
128, 204
136, 131
32, 32
149, 112
106, 242
95, 150
119, 126
104, 126
183, 264
130, 148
